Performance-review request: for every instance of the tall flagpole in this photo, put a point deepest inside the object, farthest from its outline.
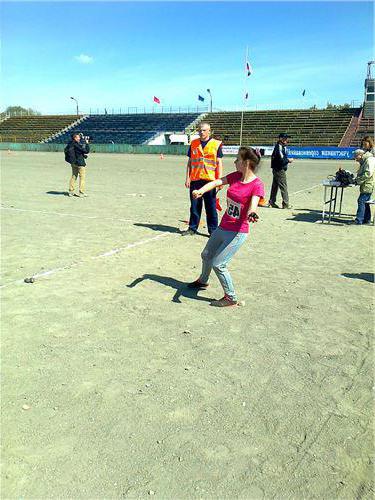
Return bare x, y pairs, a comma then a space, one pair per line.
244, 93
209, 92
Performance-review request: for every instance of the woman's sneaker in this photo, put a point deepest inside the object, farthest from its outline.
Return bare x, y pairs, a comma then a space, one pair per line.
197, 285
225, 302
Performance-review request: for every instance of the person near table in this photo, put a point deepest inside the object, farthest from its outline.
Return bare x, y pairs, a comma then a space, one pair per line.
368, 144
365, 181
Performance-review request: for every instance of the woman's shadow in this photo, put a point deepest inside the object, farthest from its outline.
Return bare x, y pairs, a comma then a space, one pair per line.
181, 288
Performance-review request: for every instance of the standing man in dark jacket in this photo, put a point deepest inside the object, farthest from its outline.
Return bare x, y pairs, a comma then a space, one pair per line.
279, 165
75, 153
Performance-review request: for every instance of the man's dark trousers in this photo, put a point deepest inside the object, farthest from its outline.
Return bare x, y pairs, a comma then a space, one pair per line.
279, 181
196, 207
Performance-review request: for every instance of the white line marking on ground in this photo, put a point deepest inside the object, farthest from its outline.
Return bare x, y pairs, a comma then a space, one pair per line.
306, 189
105, 254
65, 214
130, 245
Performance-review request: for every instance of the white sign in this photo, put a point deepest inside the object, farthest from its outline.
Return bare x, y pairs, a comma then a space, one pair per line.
230, 150
233, 150
178, 139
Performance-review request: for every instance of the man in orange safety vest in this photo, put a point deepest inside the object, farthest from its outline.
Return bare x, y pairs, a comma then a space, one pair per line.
204, 165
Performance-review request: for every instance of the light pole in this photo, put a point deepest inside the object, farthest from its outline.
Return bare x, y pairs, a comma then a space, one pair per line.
74, 99
209, 92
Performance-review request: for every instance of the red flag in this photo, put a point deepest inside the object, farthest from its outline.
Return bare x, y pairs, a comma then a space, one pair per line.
157, 100
218, 206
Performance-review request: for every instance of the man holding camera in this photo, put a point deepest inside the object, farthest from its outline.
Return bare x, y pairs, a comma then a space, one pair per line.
76, 152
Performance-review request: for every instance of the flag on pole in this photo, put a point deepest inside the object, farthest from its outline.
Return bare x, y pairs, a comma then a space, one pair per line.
200, 98
247, 95
249, 69
304, 92
157, 100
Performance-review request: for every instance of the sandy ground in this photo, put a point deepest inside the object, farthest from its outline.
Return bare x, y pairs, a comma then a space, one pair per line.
118, 383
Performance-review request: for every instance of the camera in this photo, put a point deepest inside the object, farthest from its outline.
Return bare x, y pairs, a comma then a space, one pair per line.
85, 137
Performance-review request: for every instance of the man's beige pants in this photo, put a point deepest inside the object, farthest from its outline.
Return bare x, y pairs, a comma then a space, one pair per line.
81, 172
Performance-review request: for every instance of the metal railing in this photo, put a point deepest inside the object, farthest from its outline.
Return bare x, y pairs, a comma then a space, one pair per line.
136, 110
260, 106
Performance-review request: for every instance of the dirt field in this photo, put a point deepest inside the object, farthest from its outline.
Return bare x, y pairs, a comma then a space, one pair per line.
118, 383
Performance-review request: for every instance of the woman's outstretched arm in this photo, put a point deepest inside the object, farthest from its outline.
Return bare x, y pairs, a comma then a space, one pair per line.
197, 193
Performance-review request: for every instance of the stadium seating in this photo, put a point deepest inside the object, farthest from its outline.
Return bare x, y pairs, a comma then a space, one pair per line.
130, 129
307, 127
366, 127
33, 128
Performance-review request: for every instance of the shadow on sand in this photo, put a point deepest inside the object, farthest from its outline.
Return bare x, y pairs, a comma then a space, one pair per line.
165, 229
181, 288
370, 277
158, 227
58, 193
306, 215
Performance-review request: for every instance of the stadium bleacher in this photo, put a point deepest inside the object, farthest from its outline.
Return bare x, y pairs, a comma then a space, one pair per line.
33, 128
307, 127
366, 127
130, 129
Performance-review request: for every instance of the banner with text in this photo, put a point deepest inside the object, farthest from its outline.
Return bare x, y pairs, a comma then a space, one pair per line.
322, 153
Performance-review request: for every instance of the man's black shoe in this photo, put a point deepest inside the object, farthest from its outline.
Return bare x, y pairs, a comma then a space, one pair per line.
272, 204
188, 232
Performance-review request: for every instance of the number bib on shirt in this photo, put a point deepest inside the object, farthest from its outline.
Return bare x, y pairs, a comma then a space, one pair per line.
234, 209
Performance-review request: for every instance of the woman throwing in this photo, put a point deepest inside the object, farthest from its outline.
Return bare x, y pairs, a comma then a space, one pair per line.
245, 191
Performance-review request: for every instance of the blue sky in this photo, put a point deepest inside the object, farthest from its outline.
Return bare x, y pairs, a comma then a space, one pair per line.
121, 54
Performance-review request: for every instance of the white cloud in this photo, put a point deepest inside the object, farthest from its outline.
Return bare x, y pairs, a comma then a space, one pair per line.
84, 59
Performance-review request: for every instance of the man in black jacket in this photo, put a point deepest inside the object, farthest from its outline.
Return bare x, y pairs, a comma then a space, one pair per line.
279, 165
75, 153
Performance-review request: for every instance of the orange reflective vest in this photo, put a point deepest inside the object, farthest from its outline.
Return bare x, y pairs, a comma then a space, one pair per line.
203, 162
